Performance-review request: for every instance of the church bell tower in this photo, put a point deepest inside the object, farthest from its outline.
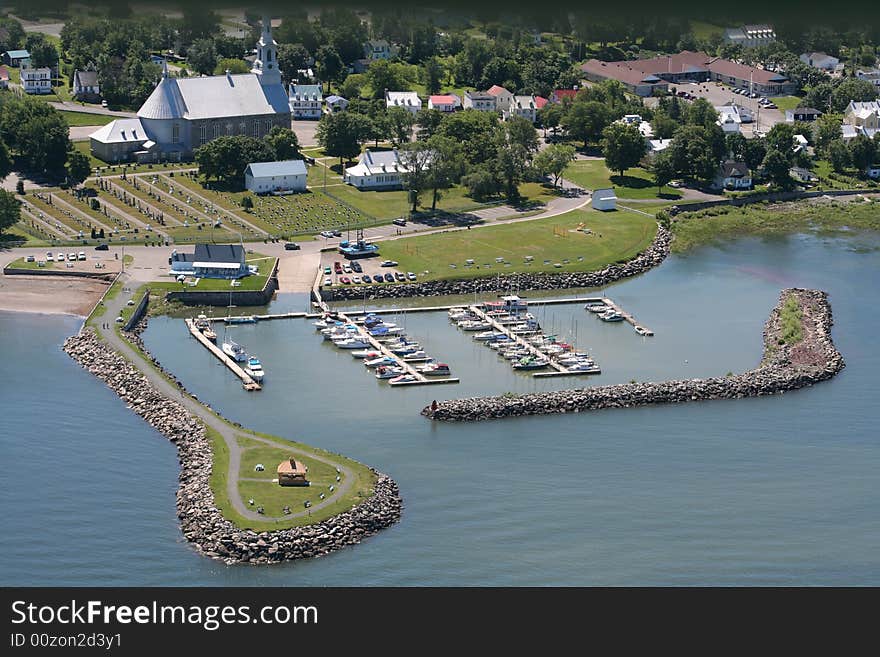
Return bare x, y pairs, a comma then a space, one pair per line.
266, 63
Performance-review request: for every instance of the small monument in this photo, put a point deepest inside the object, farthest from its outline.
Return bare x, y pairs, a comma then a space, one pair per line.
292, 473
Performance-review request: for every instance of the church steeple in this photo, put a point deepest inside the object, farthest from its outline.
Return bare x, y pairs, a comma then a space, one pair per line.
266, 63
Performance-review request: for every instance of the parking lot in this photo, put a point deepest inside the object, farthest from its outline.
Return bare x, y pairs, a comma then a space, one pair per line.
723, 95
371, 267
75, 259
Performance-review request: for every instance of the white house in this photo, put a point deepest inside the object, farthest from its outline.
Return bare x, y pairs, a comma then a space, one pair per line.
604, 199
872, 75
444, 102
377, 170
734, 175
479, 100
800, 143
305, 100
407, 99
861, 118
272, 177
36, 80
656, 146
210, 261
820, 60
85, 86
502, 97
524, 106
729, 124
378, 49
333, 104
750, 36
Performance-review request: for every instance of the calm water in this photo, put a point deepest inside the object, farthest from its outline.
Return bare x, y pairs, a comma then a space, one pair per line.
762, 491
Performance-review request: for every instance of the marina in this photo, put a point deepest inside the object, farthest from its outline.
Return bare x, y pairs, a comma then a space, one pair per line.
246, 380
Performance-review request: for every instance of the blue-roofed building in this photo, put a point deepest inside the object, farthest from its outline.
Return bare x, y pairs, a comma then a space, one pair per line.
17, 57
284, 176
210, 261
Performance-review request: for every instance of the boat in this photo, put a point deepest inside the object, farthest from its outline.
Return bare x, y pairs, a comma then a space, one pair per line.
531, 364
351, 343
404, 349
209, 333
474, 325
386, 372
597, 307
378, 362
457, 310
418, 356
611, 316
583, 366
385, 331
435, 369
641, 330
241, 319
489, 336
365, 353
403, 379
254, 369
234, 350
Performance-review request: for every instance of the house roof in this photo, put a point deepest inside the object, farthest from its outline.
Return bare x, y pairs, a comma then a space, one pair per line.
378, 162
121, 131
524, 102
621, 71
404, 98
86, 78
559, 94
216, 96
280, 168
540, 101
496, 90
686, 61
306, 91
479, 95
806, 110
18, 54
743, 72
863, 109
733, 169
657, 145
218, 253
332, 100
443, 99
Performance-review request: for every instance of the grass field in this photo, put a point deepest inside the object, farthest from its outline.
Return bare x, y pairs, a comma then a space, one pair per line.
21, 263
718, 224
637, 183
614, 237
83, 118
786, 102
248, 283
703, 30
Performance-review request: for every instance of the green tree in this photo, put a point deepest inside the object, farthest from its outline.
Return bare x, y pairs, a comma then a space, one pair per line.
482, 183
692, 153
553, 160
78, 167
329, 64
664, 125
399, 123
754, 152
776, 167
862, 152
10, 210
231, 64
5, 160
445, 167
432, 75
838, 155
664, 170
283, 142
247, 202
475, 131
550, 116
43, 52
386, 75
427, 122
416, 157
851, 89
201, 56
226, 158
623, 147
585, 121
341, 134
825, 130
35, 133
781, 138
516, 145
351, 87
291, 58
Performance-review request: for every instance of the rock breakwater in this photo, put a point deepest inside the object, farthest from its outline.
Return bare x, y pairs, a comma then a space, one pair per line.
647, 259
784, 367
202, 523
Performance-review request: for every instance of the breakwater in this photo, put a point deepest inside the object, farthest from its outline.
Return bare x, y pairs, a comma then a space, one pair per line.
784, 367
202, 523
652, 256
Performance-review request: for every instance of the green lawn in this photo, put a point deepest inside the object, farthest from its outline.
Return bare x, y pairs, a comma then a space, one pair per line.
615, 236
84, 118
717, 224
786, 102
703, 30
21, 263
637, 183
248, 283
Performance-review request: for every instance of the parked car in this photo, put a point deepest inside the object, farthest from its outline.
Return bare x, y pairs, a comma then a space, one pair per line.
81, 255
326, 233
399, 222
389, 278
49, 257
356, 266
346, 268
327, 270
328, 281
399, 276
30, 258
355, 279
366, 278
676, 184
291, 246
389, 263
337, 267
336, 233
102, 247
410, 275
345, 280
71, 257
60, 257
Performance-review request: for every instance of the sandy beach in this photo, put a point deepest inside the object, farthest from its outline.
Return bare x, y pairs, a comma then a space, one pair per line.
50, 294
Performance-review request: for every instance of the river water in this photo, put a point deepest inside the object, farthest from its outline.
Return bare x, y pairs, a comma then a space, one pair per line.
778, 490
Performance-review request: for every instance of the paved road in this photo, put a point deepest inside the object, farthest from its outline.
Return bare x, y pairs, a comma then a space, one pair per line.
71, 106
229, 434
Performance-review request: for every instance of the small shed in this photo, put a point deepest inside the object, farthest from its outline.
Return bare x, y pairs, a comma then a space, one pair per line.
604, 199
292, 473
269, 177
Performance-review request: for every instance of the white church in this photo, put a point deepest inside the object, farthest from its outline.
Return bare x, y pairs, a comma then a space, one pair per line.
183, 113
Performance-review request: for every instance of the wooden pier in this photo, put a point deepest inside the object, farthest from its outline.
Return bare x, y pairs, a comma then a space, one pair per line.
626, 316
421, 379
561, 370
247, 382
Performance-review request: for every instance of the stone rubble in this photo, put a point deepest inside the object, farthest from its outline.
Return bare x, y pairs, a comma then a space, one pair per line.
202, 523
783, 368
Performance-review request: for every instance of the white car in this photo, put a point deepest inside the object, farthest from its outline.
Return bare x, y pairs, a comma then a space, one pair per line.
328, 281
49, 257
346, 269
60, 257
71, 257
389, 263
411, 276
676, 184
326, 233
81, 255
355, 279
30, 258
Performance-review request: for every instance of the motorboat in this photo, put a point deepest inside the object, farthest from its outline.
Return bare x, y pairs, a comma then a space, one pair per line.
489, 336
516, 355
384, 331
641, 330
597, 307
209, 333
403, 379
418, 356
378, 362
500, 343
531, 364
405, 349
474, 325
611, 316
457, 310
254, 368
528, 328
365, 353
583, 366
351, 343
234, 350
242, 319
435, 369
386, 372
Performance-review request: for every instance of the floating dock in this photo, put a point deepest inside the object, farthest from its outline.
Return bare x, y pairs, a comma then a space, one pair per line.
626, 316
247, 382
561, 370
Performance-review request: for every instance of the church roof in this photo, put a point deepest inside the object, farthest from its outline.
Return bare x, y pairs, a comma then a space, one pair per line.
216, 96
120, 131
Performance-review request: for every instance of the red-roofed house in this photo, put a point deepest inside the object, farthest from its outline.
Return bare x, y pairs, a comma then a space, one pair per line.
561, 94
444, 103
502, 97
540, 101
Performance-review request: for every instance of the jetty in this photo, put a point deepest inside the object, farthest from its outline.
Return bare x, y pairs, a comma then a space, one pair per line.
626, 316
247, 382
559, 370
